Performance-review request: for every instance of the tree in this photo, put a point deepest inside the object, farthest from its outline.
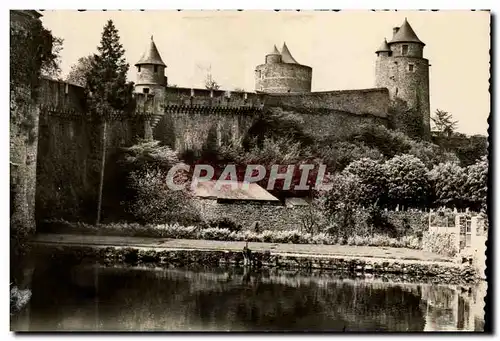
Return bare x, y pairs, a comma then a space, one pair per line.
430, 154
342, 202
468, 149
80, 71
371, 179
144, 168
107, 85
407, 181
387, 141
209, 82
51, 68
476, 185
338, 155
34, 51
107, 88
448, 181
444, 122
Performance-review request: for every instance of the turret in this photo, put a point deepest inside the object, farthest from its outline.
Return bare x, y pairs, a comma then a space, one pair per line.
151, 72
273, 57
384, 49
401, 68
281, 73
405, 42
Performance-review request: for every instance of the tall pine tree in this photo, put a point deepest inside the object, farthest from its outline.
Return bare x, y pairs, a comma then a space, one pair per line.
107, 85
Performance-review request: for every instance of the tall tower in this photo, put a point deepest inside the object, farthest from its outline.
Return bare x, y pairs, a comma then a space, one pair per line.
401, 68
282, 74
151, 72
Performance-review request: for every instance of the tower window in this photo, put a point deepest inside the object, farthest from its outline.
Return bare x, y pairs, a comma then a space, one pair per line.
139, 68
145, 90
156, 68
404, 50
259, 74
411, 67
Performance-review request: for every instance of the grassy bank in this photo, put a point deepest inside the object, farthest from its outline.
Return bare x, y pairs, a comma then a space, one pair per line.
176, 231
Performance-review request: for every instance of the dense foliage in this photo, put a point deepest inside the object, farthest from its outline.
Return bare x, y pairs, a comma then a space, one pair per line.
80, 71
147, 196
33, 51
407, 182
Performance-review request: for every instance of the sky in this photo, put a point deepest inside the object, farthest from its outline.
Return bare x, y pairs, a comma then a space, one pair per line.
339, 46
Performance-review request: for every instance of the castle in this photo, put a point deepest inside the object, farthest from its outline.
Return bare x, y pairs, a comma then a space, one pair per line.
402, 77
70, 151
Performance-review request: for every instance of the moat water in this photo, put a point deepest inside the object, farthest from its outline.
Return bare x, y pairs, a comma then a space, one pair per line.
91, 297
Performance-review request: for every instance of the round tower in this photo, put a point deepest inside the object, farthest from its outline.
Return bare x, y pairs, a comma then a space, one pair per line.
282, 74
401, 68
151, 72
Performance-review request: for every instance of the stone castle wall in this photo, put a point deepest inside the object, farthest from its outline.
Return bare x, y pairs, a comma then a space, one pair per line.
70, 148
185, 131
70, 143
335, 113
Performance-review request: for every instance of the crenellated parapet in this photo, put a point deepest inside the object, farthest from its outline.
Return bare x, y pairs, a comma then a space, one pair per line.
210, 98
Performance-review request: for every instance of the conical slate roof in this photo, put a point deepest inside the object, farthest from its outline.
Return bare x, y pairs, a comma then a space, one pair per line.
274, 51
286, 56
151, 55
384, 47
405, 34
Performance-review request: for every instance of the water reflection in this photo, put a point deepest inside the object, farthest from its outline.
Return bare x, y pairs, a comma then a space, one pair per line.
95, 298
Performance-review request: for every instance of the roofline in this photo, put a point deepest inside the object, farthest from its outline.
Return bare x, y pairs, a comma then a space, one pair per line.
139, 63
405, 41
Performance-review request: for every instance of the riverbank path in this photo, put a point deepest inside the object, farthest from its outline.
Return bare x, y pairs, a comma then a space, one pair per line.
346, 251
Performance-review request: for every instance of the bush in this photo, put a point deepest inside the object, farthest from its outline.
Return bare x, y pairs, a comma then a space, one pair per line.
154, 202
177, 231
441, 243
226, 223
214, 233
18, 299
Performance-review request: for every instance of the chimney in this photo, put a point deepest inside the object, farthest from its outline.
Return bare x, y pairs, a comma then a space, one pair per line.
394, 31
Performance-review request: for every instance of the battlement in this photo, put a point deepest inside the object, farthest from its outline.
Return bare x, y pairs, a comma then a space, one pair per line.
205, 97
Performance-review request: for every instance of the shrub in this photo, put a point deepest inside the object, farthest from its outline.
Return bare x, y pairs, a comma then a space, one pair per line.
214, 233
323, 238
18, 299
440, 243
223, 234
226, 223
378, 221
154, 202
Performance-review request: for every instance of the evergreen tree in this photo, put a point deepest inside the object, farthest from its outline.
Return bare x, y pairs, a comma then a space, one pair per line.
444, 122
107, 85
